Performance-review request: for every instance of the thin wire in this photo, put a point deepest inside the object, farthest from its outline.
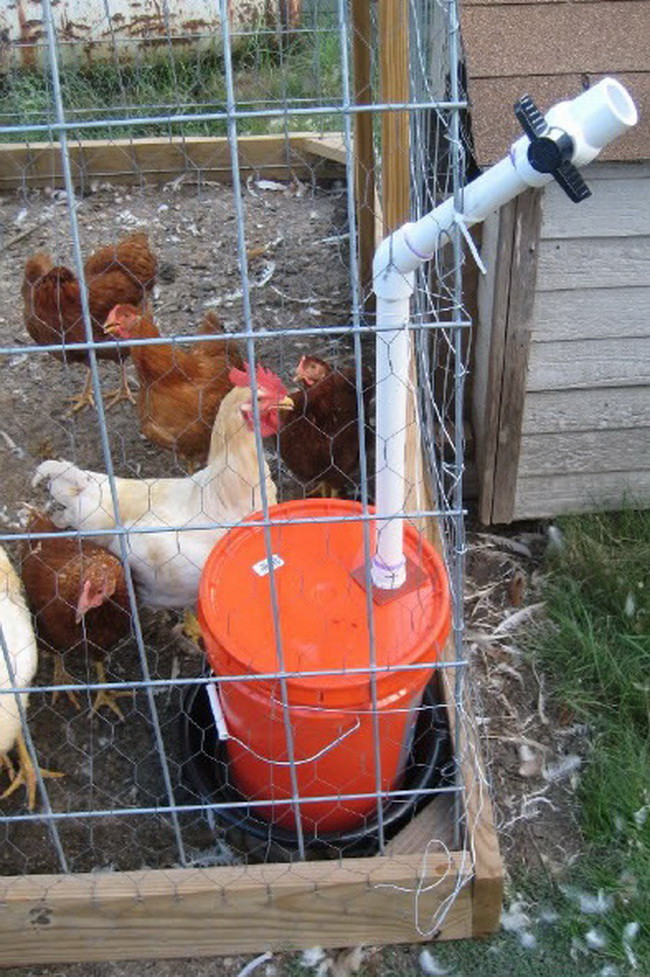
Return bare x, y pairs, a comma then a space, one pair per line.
250, 352
144, 530
166, 683
459, 375
101, 415
357, 300
17, 693
177, 119
227, 805
307, 330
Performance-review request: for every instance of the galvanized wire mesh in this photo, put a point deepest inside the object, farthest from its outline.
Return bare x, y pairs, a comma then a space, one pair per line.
271, 245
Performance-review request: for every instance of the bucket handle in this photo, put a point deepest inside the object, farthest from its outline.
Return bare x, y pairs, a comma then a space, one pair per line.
224, 733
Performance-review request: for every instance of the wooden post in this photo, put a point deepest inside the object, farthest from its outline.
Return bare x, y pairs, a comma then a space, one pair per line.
394, 87
364, 157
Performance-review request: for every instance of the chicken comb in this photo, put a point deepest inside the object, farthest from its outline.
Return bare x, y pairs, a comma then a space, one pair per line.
266, 379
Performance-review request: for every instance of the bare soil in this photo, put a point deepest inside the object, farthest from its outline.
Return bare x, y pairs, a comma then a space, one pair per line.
298, 254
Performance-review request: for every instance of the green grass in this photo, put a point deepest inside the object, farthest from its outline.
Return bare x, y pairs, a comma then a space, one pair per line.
595, 648
268, 74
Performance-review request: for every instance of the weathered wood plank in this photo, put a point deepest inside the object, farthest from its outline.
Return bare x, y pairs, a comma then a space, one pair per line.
590, 452
395, 130
330, 146
551, 495
596, 262
586, 410
161, 158
587, 313
523, 275
364, 152
617, 208
479, 821
493, 297
243, 909
589, 363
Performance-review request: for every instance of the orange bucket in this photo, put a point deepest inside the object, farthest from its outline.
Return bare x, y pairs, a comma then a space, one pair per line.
323, 626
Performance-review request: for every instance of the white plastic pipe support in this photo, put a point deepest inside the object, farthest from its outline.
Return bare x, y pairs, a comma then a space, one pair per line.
388, 569
593, 120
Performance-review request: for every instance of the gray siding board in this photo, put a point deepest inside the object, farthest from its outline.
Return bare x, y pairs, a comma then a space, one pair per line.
586, 410
549, 496
617, 208
594, 262
587, 313
587, 363
588, 452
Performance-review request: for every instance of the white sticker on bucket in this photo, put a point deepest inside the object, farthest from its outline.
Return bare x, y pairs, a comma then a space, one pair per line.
262, 568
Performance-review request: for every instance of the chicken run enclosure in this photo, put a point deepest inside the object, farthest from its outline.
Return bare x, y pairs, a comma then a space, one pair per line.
196, 209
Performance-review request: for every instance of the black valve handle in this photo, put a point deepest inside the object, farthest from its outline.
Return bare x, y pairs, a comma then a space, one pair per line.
550, 150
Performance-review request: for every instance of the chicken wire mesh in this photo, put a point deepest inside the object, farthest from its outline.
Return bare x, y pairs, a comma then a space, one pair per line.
230, 254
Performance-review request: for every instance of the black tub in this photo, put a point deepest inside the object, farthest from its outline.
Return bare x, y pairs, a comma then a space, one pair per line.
206, 772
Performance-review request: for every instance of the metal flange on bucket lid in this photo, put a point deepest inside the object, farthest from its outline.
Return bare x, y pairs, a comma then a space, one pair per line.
323, 608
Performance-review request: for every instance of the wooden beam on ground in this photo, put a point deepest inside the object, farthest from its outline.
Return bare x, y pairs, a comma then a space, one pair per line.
159, 159
364, 153
330, 146
242, 909
478, 821
395, 88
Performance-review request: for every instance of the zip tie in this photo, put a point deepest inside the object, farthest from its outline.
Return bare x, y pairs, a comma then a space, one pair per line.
459, 219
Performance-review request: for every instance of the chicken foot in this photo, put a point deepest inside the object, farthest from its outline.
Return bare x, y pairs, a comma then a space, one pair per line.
85, 398
26, 774
324, 491
107, 697
62, 676
123, 392
191, 627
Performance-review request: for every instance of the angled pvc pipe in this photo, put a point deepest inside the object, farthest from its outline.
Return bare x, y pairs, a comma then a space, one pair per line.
592, 120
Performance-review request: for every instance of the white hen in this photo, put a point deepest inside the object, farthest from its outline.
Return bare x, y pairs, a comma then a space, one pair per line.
20, 643
167, 565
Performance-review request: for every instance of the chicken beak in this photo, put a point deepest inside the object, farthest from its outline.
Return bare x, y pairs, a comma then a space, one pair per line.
110, 326
286, 403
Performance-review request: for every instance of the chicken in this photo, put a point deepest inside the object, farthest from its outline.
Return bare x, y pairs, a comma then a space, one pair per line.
319, 441
19, 646
180, 392
78, 596
167, 565
123, 272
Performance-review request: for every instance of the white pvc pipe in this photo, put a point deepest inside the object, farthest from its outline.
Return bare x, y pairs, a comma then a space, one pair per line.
593, 120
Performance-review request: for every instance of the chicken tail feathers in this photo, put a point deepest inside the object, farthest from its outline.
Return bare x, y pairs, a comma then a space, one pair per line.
77, 491
37, 266
212, 325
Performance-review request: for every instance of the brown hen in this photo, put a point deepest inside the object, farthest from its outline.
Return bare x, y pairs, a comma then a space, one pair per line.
319, 440
123, 272
77, 593
180, 390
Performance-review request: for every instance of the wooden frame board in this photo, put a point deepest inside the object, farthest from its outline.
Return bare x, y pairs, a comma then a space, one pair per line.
159, 159
275, 906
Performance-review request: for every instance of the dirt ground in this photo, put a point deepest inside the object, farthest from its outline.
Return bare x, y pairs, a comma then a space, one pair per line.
296, 239
302, 280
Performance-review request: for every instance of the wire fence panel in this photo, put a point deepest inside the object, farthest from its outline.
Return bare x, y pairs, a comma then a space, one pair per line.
188, 208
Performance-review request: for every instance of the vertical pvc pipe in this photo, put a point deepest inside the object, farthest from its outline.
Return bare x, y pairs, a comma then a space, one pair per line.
392, 369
